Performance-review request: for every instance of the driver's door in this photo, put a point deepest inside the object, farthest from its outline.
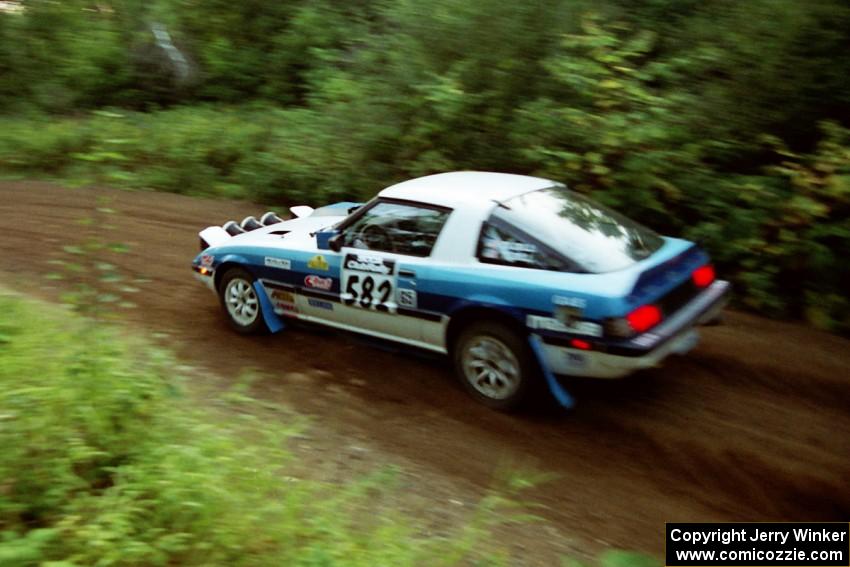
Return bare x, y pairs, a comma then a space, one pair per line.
381, 252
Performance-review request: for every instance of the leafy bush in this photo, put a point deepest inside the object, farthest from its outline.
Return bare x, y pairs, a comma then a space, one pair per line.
258, 152
612, 128
105, 462
782, 235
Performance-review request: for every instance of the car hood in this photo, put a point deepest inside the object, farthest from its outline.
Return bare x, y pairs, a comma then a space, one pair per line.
297, 233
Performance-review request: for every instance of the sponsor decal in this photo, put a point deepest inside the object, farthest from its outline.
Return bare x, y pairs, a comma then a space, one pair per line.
207, 260
285, 308
318, 282
576, 328
407, 298
568, 315
512, 252
371, 264
369, 282
490, 251
318, 262
318, 303
284, 302
279, 295
568, 310
517, 252
565, 301
279, 263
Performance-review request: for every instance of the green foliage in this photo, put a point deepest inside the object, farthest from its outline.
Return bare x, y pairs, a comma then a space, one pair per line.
60, 55
616, 558
777, 66
104, 462
620, 558
437, 85
266, 154
783, 234
611, 128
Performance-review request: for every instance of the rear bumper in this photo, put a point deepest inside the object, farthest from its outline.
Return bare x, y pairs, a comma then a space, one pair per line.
675, 335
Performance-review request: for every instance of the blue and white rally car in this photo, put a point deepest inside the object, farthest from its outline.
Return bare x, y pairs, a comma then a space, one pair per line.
516, 278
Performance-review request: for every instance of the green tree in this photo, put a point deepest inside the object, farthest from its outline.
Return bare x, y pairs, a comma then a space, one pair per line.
783, 234
612, 122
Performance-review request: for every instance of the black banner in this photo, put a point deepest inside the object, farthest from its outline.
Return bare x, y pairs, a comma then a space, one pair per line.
821, 544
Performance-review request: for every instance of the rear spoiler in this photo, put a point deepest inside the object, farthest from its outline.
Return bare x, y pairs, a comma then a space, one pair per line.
669, 273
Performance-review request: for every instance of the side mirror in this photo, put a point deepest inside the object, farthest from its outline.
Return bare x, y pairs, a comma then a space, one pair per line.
324, 239
335, 242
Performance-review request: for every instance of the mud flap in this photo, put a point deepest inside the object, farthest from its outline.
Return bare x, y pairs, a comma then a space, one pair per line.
273, 322
558, 392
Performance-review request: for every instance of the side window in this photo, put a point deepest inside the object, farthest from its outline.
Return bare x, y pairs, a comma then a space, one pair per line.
500, 245
396, 227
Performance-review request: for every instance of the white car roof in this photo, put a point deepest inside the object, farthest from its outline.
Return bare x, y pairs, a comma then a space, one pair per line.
465, 188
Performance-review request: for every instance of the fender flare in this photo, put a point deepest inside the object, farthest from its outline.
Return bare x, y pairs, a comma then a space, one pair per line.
223, 261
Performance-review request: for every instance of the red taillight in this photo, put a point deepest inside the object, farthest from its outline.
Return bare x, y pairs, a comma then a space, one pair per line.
703, 276
644, 318
580, 344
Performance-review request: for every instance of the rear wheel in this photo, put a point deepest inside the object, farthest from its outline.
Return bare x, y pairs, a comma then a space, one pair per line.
495, 365
240, 302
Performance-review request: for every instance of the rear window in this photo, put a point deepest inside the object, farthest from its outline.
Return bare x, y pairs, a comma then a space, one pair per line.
590, 236
502, 244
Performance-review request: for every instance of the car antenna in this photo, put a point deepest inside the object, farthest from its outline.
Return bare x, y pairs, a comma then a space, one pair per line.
501, 204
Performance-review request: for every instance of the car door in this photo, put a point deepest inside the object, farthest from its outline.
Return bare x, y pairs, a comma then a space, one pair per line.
382, 251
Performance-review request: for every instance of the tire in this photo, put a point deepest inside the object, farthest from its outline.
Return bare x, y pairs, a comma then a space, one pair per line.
240, 302
495, 365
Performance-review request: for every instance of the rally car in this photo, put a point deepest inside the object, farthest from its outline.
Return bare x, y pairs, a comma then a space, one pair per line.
518, 279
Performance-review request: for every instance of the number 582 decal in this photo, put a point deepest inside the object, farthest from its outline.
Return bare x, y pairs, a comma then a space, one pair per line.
368, 282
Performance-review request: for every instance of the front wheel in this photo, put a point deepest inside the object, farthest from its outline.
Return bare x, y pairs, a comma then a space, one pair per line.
240, 302
495, 365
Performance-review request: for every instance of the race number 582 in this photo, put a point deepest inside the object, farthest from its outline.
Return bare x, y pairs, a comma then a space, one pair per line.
368, 291
368, 281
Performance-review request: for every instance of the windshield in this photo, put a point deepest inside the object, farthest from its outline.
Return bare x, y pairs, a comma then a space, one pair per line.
591, 235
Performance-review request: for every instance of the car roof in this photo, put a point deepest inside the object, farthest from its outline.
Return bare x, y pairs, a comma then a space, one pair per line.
465, 188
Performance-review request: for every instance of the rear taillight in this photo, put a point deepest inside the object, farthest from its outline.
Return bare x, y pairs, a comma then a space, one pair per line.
638, 321
644, 318
703, 276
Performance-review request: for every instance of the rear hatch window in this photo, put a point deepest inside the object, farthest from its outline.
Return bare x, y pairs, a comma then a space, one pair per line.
592, 236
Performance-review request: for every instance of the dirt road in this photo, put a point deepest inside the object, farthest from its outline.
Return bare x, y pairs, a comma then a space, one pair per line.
752, 425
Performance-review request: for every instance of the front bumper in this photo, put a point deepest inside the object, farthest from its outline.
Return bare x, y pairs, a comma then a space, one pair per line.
204, 275
675, 335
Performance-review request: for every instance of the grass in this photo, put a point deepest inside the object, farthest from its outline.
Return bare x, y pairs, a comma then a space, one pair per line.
106, 461
251, 151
